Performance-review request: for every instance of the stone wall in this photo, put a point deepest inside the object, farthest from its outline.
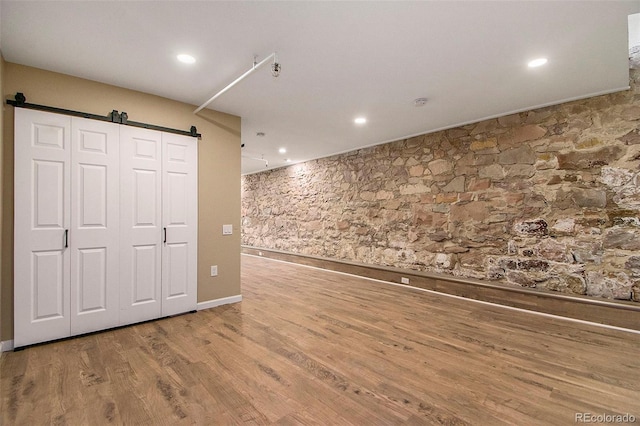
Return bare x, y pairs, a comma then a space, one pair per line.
548, 198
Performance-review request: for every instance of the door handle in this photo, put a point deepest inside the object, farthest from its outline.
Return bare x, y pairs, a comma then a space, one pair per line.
165, 235
66, 238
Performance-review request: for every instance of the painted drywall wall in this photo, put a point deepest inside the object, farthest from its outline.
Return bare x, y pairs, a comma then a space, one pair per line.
547, 199
218, 174
1, 180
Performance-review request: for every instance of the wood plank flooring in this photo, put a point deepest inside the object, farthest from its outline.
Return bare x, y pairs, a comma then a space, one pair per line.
307, 346
618, 313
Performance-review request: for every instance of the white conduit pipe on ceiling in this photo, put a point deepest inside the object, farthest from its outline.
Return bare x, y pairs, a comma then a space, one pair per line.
237, 80
266, 162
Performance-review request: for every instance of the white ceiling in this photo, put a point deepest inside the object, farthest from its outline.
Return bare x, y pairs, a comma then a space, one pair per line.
339, 60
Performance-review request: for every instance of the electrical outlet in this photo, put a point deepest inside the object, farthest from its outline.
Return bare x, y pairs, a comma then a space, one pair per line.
227, 229
404, 280
214, 271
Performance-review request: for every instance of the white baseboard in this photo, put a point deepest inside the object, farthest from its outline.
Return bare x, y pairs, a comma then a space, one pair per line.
6, 346
219, 302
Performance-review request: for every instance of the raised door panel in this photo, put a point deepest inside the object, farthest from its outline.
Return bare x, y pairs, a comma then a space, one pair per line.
180, 217
93, 281
92, 198
145, 194
177, 270
95, 221
47, 285
145, 280
177, 192
140, 224
48, 194
41, 219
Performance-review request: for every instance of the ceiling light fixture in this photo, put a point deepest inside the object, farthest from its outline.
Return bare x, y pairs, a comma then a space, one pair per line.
537, 62
420, 102
360, 120
288, 160
275, 66
186, 59
282, 150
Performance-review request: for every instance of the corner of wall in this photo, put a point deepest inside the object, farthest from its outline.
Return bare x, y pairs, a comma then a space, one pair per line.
1, 172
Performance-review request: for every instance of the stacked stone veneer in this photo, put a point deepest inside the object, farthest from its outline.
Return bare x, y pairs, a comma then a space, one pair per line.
548, 198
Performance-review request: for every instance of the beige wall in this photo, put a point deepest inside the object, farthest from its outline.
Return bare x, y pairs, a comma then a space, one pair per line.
1, 179
218, 178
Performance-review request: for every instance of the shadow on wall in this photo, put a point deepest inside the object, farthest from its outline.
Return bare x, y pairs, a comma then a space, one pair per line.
548, 199
205, 116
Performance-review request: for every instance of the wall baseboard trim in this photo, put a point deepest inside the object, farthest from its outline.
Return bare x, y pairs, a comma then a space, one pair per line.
6, 346
219, 302
614, 313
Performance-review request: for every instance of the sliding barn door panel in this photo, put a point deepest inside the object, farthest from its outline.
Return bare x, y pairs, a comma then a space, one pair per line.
41, 222
95, 207
141, 232
106, 220
180, 216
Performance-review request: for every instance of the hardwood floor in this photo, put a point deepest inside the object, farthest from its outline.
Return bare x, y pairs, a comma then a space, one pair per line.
307, 346
618, 313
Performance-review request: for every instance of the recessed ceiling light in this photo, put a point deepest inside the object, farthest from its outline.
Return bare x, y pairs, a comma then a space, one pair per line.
186, 59
537, 62
288, 160
282, 150
360, 120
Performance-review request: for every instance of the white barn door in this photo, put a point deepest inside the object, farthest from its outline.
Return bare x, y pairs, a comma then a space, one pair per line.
140, 224
41, 224
180, 220
95, 214
106, 221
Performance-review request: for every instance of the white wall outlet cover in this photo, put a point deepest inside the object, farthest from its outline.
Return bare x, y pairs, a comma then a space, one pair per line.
227, 229
404, 280
214, 270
